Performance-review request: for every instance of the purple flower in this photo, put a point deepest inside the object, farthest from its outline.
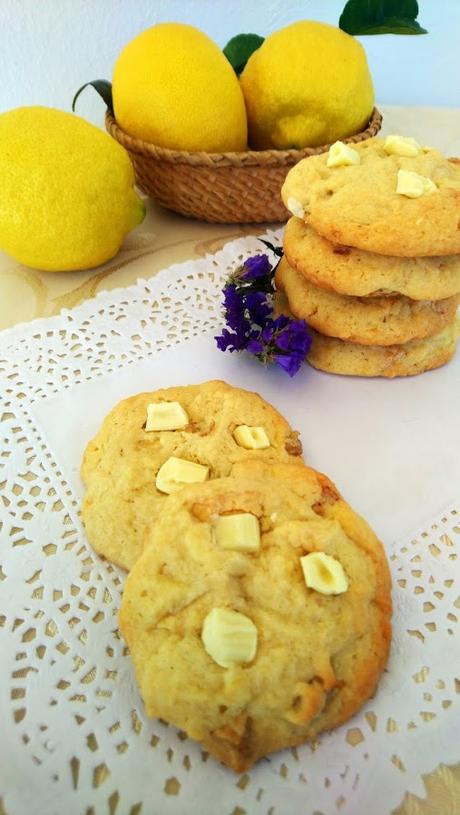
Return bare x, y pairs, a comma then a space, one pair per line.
248, 307
257, 266
294, 337
229, 342
235, 311
290, 363
255, 274
257, 307
281, 322
267, 331
255, 347
233, 305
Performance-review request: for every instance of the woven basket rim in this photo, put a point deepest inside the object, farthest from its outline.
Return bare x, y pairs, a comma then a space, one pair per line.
245, 158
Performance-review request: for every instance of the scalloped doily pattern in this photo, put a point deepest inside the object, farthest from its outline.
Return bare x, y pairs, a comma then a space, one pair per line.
78, 740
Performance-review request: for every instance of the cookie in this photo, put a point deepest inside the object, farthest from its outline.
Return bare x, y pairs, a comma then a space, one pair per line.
356, 272
302, 661
348, 358
368, 321
357, 205
121, 464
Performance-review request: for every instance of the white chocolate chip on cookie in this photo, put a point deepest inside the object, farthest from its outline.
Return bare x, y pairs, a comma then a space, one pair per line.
295, 207
166, 416
401, 146
413, 185
175, 473
324, 573
341, 154
230, 638
252, 438
240, 532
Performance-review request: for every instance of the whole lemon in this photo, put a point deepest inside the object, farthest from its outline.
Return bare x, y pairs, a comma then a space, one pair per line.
67, 198
174, 87
308, 84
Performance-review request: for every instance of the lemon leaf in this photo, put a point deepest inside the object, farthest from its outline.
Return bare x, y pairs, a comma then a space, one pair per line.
380, 17
239, 49
277, 250
104, 89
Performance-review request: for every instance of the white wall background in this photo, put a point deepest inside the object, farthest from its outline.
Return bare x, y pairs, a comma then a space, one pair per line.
48, 48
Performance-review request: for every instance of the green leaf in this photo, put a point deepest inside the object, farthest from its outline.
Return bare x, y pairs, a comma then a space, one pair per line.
239, 49
104, 90
381, 17
277, 250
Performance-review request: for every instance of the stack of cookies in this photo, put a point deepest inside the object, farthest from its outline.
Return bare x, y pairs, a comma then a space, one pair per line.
257, 609
372, 256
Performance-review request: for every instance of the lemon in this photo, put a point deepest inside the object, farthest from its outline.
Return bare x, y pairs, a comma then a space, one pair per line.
67, 198
174, 87
308, 84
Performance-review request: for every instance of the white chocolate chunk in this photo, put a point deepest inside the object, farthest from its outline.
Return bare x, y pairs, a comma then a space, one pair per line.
240, 532
401, 146
166, 416
323, 573
409, 184
295, 207
429, 186
230, 638
341, 154
252, 438
175, 473
413, 185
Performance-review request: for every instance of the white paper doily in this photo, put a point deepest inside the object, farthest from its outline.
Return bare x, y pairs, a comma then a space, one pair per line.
74, 736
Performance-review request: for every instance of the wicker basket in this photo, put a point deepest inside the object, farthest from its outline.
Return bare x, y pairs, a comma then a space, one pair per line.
219, 187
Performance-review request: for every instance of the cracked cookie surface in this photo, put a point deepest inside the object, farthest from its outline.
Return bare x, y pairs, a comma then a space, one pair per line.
121, 463
318, 657
357, 205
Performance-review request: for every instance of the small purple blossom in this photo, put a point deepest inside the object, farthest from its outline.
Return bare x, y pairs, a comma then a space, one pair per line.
286, 343
257, 307
255, 347
228, 341
294, 337
255, 274
290, 363
248, 307
257, 266
235, 312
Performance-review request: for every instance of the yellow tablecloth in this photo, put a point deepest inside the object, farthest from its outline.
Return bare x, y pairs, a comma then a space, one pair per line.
165, 238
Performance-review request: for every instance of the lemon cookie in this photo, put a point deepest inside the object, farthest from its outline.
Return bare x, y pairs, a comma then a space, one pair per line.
369, 321
415, 357
383, 202
154, 443
347, 270
251, 650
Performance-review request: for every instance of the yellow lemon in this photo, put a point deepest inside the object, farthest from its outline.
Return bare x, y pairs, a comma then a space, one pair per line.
308, 84
67, 197
174, 87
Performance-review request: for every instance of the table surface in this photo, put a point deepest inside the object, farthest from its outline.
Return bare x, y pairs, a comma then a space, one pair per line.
165, 238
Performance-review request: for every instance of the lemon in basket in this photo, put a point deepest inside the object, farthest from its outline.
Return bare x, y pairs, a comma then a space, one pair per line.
67, 195
308, 84
174, 87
